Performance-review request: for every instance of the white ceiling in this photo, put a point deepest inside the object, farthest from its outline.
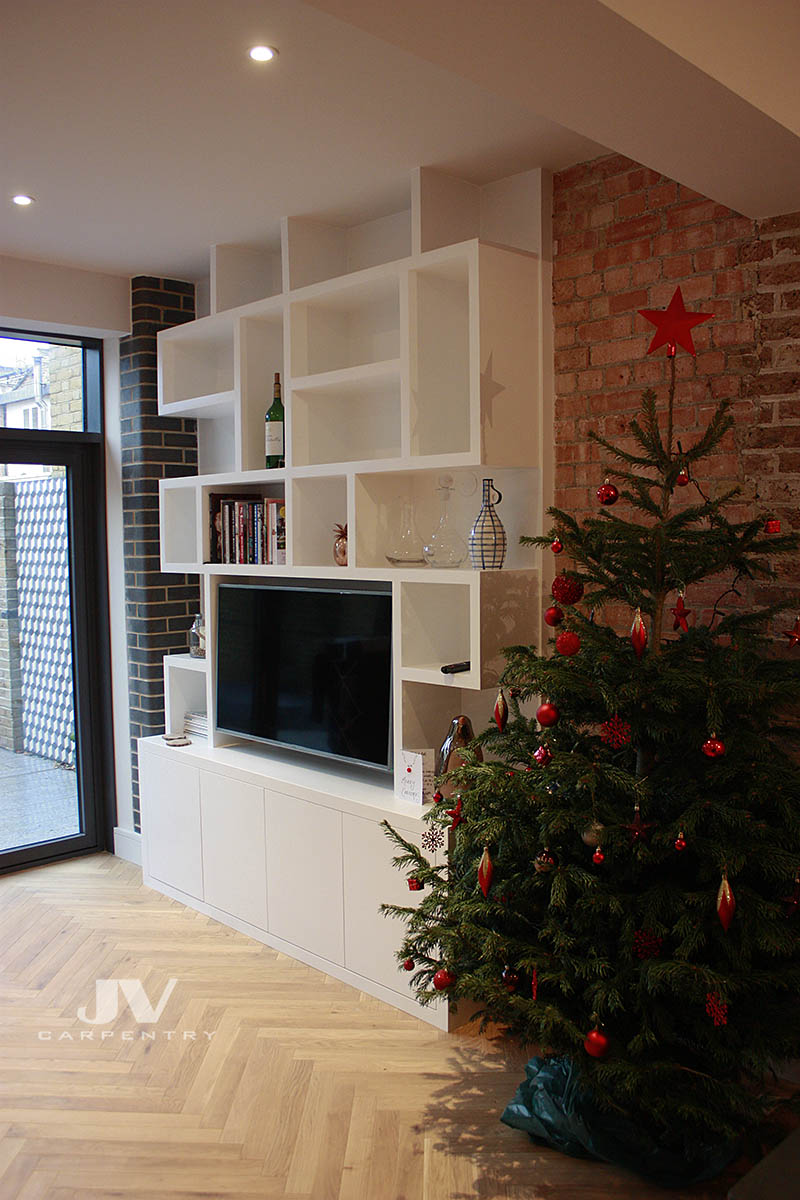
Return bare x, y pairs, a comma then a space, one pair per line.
146, 133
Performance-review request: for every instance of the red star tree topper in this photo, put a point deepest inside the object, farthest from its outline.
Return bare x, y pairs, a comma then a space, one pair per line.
673, 325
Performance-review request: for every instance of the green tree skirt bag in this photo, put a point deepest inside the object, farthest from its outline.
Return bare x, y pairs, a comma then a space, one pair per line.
550, 1106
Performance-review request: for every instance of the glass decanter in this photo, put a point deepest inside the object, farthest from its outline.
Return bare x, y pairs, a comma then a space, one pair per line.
406, 549
445, 548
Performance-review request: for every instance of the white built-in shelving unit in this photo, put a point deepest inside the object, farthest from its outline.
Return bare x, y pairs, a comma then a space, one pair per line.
409, 347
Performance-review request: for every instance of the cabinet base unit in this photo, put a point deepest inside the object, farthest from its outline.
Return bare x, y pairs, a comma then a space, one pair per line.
290, 854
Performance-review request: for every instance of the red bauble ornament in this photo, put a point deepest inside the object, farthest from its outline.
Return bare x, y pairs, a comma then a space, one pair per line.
615, 732
544, 862
673, 325
597, 1043
726, 904
408, 965
794, 634
501, 711
437, 796
682, 478
607, 493
414, 884
553, 616
680, 841
543, 755
598, 857
712, 747
568, 643
547, 714
557, 546
443, 979
510, 979
772, 525
566, 589
485, 871
638, 634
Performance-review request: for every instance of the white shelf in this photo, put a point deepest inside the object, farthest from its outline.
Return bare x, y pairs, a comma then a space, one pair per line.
348, 415
196, 362
352, 324
186, 662
216, 404
397, 368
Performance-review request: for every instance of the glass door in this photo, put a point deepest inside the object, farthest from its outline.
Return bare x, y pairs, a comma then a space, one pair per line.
54, 705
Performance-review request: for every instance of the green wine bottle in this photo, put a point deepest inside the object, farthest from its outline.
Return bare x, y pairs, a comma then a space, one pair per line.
273, 425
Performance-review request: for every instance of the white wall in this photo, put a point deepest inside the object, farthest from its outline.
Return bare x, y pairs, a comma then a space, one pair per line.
49, 298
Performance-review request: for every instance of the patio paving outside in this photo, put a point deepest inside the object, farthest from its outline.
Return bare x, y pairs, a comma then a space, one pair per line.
38, 800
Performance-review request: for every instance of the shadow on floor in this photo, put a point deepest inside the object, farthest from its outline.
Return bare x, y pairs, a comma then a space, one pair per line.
484, 1084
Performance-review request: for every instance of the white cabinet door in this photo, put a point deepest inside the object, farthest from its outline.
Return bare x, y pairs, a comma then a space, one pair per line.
170, 796
370, 880
234, 852
304, 875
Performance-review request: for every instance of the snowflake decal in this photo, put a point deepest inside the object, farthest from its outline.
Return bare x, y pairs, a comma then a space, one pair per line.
432, 839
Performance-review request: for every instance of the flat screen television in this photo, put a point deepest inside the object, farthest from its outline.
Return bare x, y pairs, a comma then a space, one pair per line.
307, 666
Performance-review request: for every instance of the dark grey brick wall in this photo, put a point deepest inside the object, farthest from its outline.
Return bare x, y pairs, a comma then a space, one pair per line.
159, 608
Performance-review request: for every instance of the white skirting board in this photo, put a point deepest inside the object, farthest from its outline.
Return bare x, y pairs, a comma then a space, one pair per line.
128, 845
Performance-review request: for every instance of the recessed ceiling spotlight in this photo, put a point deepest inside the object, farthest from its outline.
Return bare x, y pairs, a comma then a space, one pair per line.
262, 53
22, 200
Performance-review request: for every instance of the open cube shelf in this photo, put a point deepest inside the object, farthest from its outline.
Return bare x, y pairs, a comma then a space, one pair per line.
346, 326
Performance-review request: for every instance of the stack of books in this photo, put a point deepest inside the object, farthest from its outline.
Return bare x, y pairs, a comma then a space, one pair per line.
247, 529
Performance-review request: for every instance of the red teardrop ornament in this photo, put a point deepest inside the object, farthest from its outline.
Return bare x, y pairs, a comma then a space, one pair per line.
501, 710
726, 904
638, 634
485, 871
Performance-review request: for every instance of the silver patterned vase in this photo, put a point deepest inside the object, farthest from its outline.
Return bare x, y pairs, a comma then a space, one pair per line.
487, 538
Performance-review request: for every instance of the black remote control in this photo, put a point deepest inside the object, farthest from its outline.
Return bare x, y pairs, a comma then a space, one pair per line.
455, 668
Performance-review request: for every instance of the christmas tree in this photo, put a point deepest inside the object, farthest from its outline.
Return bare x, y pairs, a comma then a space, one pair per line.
622, 885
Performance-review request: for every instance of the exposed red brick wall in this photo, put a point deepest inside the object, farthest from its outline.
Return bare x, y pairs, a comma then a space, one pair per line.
624, 238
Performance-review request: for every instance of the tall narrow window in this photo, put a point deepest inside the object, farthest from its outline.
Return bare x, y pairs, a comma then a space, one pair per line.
54, 703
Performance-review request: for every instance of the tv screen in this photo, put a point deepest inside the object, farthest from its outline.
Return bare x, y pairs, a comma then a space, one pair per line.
307, 667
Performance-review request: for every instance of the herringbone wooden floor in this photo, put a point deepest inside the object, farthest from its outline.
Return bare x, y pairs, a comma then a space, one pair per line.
307, 1088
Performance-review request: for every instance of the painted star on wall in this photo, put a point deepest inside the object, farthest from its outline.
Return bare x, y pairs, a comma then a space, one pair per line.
673, 324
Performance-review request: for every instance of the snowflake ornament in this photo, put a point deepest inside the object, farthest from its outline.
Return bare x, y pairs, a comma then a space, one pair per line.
432, 839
